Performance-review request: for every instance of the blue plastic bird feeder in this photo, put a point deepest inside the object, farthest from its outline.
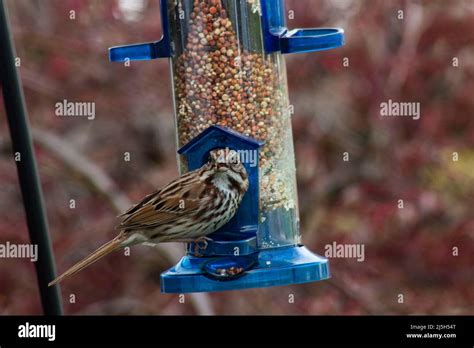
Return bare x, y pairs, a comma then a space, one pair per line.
230, 91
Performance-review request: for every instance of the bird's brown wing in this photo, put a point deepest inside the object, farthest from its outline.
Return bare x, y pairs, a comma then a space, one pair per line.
176, 200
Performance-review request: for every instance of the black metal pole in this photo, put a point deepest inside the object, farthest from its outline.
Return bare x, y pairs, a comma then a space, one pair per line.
26, 166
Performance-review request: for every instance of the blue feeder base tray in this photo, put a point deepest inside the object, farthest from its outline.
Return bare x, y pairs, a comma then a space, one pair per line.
272, 267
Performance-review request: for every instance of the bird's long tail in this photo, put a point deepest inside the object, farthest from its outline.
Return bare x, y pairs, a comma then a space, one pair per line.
105, 249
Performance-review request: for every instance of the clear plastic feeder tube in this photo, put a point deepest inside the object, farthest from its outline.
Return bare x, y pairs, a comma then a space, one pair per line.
222, 76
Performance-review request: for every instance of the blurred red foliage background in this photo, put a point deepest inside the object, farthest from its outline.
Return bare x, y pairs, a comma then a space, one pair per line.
409, 251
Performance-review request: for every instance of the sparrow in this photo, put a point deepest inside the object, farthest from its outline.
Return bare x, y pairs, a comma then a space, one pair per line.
188, 209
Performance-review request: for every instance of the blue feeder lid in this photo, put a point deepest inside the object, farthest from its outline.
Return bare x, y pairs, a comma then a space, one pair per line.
213, 137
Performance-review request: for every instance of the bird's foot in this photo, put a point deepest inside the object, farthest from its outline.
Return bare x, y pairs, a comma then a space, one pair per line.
198, 247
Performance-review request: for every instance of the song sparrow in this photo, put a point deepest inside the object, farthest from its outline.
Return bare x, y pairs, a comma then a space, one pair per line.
187, 209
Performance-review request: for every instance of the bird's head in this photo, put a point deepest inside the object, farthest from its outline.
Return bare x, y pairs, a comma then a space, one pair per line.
228, 168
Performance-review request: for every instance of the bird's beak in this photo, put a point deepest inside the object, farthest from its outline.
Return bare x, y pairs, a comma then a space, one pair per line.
221, 167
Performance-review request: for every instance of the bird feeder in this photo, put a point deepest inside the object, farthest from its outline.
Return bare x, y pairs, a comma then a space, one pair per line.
230, 91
